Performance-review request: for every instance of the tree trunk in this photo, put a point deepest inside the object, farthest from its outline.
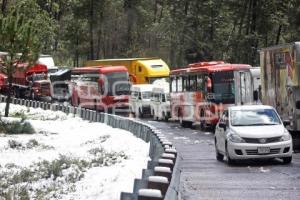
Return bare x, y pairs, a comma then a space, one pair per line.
3, 6
8, 99
243, 14
155, 11
278, 34
91, 29
77, 51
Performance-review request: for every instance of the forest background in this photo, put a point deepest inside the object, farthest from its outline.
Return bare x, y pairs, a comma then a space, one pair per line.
178, 31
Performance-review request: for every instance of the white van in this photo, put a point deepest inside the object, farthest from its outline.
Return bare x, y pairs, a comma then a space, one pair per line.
139, 100
160, 103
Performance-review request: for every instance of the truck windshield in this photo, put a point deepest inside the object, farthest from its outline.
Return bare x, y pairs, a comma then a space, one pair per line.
146, 95
118, 83
223, 87
37, 77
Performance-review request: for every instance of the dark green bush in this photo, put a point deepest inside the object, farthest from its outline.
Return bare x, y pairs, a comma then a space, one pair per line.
16, 127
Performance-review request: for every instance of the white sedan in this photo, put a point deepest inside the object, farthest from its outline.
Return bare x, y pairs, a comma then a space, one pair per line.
251, 132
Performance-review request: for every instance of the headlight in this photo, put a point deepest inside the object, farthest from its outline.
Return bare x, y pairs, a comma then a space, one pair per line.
286, 136
233, 137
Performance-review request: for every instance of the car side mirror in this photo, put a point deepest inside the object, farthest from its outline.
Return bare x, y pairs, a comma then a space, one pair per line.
298, 104
286, 123
222, 125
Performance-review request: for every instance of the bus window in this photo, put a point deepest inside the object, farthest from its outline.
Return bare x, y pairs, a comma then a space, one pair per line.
184, 83
223, 87
193, 83
179, 84
200, 83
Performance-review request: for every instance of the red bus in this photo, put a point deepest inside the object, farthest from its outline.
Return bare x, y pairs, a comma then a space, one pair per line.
104, 89
200, 91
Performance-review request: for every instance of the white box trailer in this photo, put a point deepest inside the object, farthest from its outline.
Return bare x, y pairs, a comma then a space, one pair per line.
280, 78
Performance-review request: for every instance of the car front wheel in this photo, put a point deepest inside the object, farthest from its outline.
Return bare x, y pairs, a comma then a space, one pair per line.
229, 160
219, 156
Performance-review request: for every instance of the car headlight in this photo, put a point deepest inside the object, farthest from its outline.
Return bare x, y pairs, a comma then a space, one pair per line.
286, 136
233, 137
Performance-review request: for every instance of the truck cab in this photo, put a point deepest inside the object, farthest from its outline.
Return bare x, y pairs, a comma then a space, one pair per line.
160, 103
31, 82
140, 99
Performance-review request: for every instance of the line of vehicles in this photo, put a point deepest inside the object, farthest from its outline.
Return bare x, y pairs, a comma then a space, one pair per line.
195, 94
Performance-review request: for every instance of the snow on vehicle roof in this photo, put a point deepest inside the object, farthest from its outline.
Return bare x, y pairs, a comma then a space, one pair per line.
142, 87
161, 85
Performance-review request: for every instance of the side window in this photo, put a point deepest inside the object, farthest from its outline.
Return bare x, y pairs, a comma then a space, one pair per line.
163, 98
193, 83
173, 83
179, 84
134, 94
200, 82
140, 68
184, 83
157, 97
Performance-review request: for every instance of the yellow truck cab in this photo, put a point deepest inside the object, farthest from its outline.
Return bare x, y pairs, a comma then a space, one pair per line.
141, 70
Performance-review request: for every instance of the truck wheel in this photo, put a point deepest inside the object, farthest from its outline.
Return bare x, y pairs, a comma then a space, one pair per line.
78, 102
17, 92
164, 116
141, 113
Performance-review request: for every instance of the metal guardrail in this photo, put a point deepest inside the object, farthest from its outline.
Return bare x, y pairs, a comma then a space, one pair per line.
161, 178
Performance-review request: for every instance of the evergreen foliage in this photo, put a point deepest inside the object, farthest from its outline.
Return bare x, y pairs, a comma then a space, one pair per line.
179, 31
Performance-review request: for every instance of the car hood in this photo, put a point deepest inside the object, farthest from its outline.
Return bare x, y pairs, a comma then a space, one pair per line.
259, 131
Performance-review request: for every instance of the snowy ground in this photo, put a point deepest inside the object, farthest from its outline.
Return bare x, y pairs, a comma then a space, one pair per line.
68, 158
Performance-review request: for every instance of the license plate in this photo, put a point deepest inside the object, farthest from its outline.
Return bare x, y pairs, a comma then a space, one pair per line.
263, 150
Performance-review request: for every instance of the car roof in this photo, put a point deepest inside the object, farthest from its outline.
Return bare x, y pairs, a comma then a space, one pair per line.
142, 87
250, 107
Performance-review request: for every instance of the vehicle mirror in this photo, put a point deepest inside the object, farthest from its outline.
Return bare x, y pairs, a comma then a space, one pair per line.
222, 125
298, 104
286, 123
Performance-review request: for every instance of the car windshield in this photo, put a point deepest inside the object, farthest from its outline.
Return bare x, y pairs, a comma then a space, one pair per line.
255, 117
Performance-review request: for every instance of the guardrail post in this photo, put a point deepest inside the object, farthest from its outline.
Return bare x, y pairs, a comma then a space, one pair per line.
149, 194
158, 182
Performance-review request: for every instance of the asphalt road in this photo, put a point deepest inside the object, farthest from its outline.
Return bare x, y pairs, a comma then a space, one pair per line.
203, 177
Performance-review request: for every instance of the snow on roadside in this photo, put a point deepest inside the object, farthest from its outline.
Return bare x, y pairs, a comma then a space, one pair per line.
86, 160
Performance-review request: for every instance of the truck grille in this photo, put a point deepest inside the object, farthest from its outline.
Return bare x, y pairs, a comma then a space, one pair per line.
257, 140
45, 88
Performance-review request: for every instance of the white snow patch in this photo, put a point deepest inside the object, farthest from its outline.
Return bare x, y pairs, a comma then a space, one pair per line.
57, 135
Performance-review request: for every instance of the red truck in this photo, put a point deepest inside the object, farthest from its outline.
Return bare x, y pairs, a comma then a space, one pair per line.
31, 82
3, 83
101, 88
